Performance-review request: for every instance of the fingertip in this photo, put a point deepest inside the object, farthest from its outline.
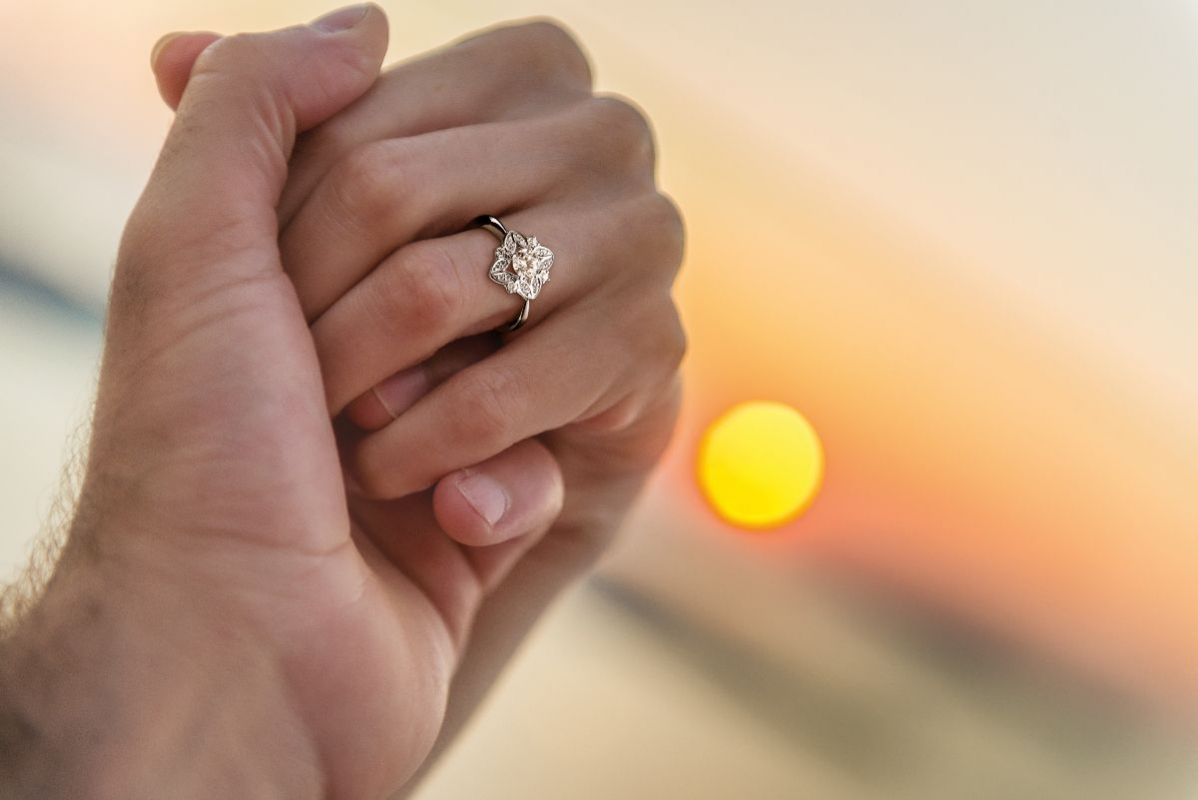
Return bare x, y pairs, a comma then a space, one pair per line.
375, 30
172, 59
365, 25
159, 46
470, 508
376, 25
369, 412
382, 404
517, 492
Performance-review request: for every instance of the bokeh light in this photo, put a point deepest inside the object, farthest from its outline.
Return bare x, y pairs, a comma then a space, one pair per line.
760, 464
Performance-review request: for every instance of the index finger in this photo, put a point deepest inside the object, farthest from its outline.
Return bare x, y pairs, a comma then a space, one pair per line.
502, 73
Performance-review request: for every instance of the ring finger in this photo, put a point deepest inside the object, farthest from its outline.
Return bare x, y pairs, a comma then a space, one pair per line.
392, 192
434, 291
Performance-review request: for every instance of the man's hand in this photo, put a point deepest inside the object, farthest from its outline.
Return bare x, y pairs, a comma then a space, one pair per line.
218, 627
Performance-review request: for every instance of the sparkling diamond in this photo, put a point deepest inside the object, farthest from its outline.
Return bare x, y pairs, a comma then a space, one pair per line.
522, 265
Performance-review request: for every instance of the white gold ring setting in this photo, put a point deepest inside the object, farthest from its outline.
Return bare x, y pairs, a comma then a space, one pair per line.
521, 265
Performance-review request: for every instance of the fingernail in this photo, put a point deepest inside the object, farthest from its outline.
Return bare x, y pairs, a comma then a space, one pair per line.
485, 496
401, 390
342, 19
160, 45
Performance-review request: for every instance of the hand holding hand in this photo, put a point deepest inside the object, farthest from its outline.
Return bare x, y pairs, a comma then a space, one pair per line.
374, 216
264, 608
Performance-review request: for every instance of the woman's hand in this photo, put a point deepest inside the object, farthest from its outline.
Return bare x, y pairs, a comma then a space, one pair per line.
401, 307
504, 123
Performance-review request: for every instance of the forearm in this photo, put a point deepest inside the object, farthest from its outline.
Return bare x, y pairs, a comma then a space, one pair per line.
112, 687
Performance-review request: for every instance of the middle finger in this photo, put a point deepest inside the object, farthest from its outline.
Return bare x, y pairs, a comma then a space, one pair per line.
503, 73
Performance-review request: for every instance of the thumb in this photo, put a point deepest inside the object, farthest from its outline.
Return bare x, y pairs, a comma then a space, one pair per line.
214, 189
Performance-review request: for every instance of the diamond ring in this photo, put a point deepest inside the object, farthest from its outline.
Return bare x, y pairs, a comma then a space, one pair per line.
521, 265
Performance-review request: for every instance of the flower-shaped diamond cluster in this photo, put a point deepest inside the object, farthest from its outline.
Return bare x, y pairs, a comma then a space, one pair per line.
522, 265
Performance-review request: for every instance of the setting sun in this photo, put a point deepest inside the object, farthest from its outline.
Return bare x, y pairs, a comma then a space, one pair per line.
760, 464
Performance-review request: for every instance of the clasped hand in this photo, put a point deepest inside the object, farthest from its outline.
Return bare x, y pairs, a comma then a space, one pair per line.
324, 499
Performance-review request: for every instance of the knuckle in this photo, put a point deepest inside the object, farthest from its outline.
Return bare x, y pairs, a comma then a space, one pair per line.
660, 233
663, 352
549, 34
490, 401
670, 228
622, 122
430, 286
676, 342
369, 184
619, 115
554, 49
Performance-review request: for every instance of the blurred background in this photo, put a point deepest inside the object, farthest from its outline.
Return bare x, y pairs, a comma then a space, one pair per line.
958, 237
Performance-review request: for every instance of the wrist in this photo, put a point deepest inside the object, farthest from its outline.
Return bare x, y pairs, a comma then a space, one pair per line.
120, 683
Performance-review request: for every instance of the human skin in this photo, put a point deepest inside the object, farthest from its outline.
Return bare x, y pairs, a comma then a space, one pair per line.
228, 619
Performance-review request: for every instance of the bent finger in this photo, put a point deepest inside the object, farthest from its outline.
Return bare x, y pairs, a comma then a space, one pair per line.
397, 394
486, 408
